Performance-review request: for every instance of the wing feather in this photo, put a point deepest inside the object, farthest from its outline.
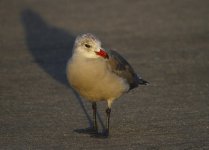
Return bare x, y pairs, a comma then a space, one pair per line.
123, 69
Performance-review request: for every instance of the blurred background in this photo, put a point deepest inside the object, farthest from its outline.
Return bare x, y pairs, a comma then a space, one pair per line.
166, 41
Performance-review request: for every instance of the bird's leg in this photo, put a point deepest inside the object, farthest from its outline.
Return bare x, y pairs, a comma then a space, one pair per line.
108, 111
94, 107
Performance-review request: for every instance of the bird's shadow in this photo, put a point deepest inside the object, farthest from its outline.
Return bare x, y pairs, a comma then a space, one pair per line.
51, 48
94, 134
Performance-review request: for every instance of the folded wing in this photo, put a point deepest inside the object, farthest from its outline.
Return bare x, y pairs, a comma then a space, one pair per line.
122, 68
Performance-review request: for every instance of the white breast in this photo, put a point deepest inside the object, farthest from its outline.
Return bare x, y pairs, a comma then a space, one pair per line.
92, 79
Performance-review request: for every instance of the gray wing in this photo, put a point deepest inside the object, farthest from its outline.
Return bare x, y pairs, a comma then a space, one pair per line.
123, 69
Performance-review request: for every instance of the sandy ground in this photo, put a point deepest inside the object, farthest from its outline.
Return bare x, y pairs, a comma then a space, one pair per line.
166, 41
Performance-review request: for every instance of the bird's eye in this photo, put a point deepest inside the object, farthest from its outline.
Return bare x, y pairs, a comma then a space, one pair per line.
87, 45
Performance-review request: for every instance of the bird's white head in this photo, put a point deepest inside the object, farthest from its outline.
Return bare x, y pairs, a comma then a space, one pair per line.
89, 46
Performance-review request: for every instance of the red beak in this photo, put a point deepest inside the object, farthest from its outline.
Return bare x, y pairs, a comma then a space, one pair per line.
102, 53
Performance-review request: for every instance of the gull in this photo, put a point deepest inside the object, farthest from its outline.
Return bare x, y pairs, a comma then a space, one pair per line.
100, 75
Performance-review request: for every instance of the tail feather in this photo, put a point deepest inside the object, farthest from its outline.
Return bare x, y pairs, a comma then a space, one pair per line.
137, 82
143, 82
